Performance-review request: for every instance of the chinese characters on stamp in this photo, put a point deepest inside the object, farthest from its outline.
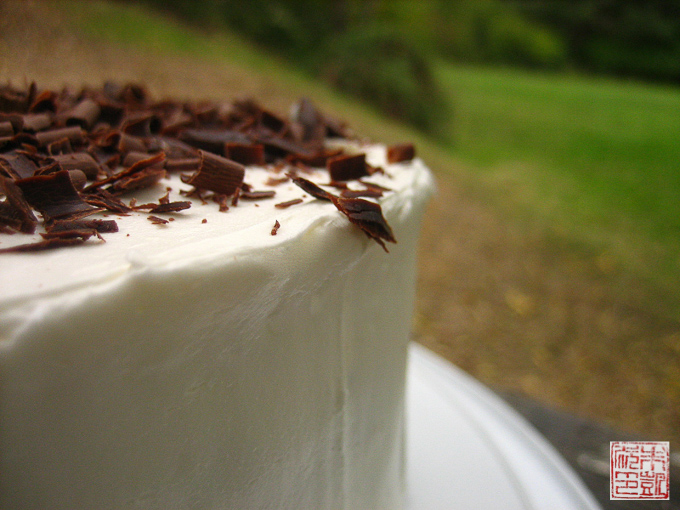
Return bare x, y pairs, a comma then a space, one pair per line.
639, 469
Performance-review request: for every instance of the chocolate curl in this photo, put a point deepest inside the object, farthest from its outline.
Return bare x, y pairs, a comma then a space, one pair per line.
246, 154
84, 114
6, 129
120, 180
74, 134
17, 165
79, 161
16, 211
212, 140
217, 174
401, 152
142, 124
368, 217
53, 195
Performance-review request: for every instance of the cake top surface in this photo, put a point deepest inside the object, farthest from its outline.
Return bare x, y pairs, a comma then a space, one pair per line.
99, 182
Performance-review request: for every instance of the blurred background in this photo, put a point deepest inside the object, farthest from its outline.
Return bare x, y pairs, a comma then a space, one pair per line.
550, 260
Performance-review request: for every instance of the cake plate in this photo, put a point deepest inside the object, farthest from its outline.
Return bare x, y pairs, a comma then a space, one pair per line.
467, 449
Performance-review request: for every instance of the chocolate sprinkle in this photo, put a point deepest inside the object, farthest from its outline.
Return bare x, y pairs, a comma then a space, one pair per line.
275, 228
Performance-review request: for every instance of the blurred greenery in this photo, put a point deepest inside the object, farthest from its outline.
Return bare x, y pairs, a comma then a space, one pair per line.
381, 50
595, 159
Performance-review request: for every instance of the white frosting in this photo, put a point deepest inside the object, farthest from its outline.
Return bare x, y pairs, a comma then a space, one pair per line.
212, 365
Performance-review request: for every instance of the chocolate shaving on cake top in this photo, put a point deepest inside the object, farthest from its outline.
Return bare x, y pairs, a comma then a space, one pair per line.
66, 155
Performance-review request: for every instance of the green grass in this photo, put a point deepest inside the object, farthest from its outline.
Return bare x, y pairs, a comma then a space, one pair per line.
596, 160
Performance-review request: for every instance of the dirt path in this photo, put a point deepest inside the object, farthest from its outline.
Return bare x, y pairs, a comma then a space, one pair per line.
498, 299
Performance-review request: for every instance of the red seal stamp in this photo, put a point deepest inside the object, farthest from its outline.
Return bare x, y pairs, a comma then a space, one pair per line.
639, 469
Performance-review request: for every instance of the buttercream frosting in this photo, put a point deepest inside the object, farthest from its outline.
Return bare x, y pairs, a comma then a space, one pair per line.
207, 363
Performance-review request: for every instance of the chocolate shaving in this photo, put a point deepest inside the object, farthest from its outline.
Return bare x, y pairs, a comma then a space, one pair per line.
401, 152
257, 195
142, 179
34, 122
364, 214
84, 114
60, 153
81, 233
53, 195
217, 174
18, 165
368, 217
157, 221
171, 207
6, 129
79, 161
311, 188
46, 244
347, 168
275, 228
212, 140
368, 193
16, 211
106, 200
100, 226
276, 181
182, 165
74, 134
284, 205
250, 154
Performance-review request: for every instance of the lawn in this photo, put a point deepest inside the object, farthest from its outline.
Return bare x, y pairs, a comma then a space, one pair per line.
596, 160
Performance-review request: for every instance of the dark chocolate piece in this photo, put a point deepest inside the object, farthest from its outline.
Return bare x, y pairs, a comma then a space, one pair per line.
6, 129
401, 152
53, 195
157, 221
212, 140
45, 244
257, 195
284, 205
16, 211
368, 193
347, 168
83, 114
368, 217
101, 226
364, 214
217, 174
245, 154
311, 188
74, 134
34, 122
17, 165
82, 161
171, 207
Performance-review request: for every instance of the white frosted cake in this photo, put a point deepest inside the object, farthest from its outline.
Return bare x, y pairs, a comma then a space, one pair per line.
219, 350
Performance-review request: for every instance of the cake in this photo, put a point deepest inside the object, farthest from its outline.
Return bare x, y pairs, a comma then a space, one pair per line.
202, 305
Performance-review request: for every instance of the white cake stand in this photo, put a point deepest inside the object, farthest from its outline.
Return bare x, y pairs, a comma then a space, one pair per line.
467, 449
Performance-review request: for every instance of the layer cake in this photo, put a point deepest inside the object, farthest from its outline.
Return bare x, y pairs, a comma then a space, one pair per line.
211, 311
